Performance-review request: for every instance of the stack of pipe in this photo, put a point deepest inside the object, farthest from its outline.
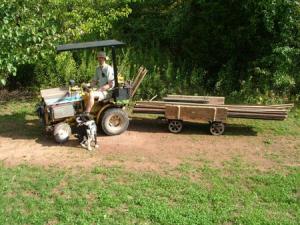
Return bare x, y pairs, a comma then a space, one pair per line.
270, 112
152, 107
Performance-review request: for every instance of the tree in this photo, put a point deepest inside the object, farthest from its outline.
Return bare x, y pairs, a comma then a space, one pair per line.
239, 44
27, 33
31, 29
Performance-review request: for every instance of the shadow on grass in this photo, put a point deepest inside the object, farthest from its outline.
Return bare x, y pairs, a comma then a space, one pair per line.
161, 126
24, 126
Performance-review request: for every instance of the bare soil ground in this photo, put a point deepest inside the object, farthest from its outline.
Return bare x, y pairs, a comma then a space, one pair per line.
148, 146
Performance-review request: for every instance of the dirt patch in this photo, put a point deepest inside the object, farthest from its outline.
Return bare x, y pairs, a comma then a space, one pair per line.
148, 146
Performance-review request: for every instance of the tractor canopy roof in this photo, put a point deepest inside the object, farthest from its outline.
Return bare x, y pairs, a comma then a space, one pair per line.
87, 45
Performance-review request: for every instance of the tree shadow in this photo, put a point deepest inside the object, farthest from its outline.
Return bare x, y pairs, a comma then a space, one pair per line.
26, 126
161, 126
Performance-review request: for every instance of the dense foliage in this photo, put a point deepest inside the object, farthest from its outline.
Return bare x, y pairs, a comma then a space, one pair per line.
243, 49
31, 29
27, 32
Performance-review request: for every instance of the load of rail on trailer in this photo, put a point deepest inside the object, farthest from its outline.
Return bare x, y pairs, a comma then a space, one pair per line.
185, 108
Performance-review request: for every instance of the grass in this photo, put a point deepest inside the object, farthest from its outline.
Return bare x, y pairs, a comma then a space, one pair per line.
193, 193
18, 119
32, 195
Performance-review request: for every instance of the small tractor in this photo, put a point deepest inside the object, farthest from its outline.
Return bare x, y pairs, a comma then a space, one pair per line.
61, 109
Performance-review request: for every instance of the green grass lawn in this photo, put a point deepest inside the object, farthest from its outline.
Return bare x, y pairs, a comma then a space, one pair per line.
189, 194
113, 196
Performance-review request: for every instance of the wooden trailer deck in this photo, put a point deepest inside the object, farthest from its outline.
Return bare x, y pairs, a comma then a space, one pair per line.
208, 109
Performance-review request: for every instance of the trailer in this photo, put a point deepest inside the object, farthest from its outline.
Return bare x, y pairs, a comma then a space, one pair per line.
177, 109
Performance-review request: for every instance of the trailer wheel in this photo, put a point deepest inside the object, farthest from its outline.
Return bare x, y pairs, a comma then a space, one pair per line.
62, 132
175, 126
114, 121
217, 128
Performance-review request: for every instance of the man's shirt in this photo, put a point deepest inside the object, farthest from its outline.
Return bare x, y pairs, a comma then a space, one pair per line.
104, 74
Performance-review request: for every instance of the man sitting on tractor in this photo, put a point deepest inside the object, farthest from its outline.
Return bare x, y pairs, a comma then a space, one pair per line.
104, 81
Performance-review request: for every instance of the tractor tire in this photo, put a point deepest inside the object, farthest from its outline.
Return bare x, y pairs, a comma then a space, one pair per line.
114, 121
62, 132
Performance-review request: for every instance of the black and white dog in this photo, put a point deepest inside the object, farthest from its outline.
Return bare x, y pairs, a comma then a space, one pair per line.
86, 132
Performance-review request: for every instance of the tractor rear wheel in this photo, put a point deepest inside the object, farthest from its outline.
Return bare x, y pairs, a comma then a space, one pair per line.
114, 121
62, 132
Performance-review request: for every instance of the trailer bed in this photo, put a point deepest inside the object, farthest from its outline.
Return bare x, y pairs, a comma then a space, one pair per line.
270, 112
178, 109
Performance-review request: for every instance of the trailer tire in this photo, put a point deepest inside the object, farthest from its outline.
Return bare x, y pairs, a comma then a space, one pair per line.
217, 128
62, 132
175, 126
114, 121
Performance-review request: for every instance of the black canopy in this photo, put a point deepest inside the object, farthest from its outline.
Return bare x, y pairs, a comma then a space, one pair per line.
86, 45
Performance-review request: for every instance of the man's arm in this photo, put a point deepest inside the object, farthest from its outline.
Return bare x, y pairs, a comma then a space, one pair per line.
107, 86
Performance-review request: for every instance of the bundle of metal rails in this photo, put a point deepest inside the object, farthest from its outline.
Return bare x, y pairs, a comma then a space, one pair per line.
264, 112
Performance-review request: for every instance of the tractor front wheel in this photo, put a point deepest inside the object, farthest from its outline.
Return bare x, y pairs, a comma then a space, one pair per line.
114, 121
62, 132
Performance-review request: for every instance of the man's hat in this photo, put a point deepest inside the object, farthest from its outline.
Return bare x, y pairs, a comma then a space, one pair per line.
102, 55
